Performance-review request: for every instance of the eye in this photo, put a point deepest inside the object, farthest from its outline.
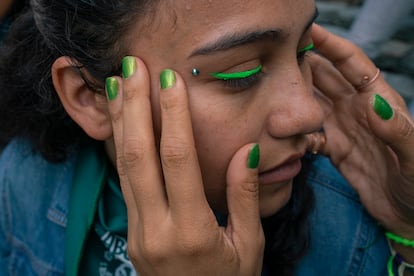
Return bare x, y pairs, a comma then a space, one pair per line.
302, 53
240, 80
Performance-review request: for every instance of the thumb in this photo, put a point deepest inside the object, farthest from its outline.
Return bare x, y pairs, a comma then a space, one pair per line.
394, 127
243, 196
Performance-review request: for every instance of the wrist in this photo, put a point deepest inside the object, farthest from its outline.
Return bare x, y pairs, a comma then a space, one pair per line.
399, 261
402, 255
399, 240
402, 245
407, 253
401, 230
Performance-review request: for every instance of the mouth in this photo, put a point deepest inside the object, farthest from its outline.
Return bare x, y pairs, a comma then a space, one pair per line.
283, 172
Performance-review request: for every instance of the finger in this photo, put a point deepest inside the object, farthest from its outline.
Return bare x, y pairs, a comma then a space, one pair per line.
395, 127
243, 196
354, 65
139, 155
328, 79
113, 88
177, 149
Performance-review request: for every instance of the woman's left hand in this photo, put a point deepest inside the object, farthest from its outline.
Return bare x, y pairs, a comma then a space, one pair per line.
368, 131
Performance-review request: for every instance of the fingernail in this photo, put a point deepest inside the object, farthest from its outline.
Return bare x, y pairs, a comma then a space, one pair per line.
112, 86
382, 107
167, 79
254, 157
129, 66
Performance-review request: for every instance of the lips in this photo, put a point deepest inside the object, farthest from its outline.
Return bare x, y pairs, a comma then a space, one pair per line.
282, 173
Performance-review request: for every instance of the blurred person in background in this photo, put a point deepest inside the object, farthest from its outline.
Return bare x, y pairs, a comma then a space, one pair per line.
376, 23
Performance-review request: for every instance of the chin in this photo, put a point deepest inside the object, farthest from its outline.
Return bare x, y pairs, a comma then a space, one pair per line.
270, 202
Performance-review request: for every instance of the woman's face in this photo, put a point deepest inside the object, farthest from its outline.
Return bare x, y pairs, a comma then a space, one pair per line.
274, 107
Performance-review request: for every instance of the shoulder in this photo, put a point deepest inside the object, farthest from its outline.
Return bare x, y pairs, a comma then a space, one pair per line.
324, 175
25, 173
33, 207
345, 239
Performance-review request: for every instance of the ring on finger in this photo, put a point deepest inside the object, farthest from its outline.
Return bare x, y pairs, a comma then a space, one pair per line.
367, 81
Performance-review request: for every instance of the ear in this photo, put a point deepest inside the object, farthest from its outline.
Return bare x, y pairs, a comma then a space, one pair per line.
86, 107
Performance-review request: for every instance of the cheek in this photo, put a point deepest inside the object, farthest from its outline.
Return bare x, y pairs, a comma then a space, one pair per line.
219, 132
271, 201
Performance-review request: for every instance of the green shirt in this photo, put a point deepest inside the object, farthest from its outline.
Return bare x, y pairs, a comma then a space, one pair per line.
97, 223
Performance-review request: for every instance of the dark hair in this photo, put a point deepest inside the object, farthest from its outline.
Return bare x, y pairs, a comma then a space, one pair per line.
16, 8
287, 232
89, 33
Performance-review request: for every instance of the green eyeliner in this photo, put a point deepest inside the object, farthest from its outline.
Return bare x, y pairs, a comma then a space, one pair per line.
307, 48
236, 75
248, 73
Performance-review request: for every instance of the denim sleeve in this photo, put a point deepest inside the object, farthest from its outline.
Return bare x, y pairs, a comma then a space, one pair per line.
33, 206
345, 239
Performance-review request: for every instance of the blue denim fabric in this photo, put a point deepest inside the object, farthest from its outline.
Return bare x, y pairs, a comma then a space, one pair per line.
34, 196
345, 240
33, 209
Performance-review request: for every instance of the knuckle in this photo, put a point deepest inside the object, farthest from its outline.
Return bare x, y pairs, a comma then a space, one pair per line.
250, 187
256, 245
132, 251
116, 116
128, 94
153, 253
196, 240
405, 128
176, 153
150, 250
193, 245
120, 167
171, 104
134, 151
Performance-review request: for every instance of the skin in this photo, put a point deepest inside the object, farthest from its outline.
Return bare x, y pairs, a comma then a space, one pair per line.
224, 123
238, 117
184, 149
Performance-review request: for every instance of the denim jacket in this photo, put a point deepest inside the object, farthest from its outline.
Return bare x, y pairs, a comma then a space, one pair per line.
34, 197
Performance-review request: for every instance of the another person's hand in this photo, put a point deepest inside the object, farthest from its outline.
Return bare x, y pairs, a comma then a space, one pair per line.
368, 132
171, 227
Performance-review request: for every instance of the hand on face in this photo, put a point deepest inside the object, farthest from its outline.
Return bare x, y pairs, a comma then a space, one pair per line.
170, 224
371, 142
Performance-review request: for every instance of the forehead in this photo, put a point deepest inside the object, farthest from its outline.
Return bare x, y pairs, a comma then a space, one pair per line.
239, 13
185, 24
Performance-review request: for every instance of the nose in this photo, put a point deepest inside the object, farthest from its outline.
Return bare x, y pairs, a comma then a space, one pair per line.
294, 108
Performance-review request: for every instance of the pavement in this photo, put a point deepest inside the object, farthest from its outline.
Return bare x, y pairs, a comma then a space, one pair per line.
396, 59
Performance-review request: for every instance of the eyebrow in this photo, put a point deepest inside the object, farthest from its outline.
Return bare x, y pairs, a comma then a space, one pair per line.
229, 41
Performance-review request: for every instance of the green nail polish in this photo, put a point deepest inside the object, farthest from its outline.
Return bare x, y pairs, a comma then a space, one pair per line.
129, 66
382, 107
112, 87
167, 79
254, 157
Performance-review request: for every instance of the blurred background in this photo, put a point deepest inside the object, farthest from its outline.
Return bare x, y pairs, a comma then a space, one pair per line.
384, 29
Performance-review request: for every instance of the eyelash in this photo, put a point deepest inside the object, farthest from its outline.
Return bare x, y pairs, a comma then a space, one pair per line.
245, 83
